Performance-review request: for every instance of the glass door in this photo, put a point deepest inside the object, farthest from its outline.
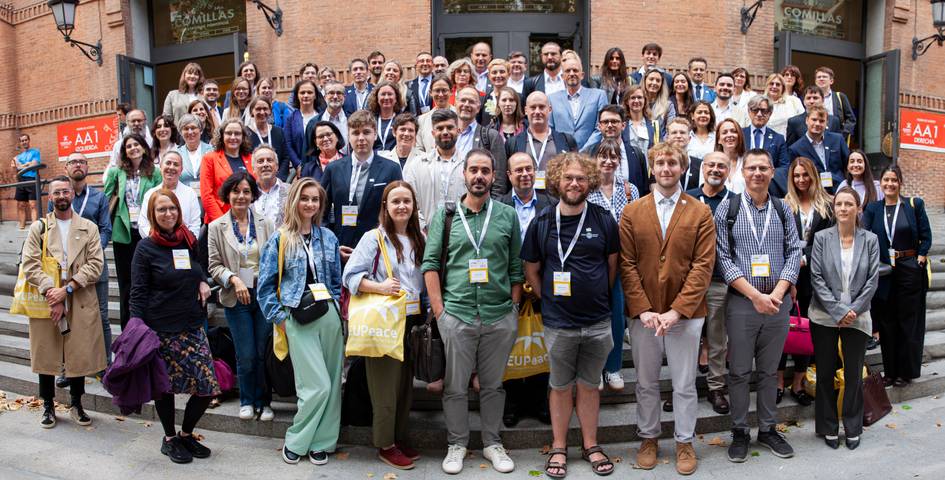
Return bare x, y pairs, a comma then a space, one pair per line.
136, 84
879, 125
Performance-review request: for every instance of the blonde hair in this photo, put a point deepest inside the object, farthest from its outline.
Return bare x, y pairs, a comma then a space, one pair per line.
661, 104
819, 198
292, 220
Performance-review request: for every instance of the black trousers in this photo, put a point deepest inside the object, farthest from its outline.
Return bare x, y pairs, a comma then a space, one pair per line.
124, 252
47, 389
825, 402
901, 318
527, 396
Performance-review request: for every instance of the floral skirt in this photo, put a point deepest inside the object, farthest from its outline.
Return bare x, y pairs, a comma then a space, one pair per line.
189, 362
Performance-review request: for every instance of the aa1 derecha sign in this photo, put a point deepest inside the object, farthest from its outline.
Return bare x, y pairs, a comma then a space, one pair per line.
93, 137
922, 130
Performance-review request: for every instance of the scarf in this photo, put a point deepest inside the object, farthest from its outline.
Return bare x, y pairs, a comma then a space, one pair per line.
174, 239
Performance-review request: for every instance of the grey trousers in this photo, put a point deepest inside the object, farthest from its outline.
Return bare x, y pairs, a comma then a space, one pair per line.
484, 349
715, 334
759, 339
681, 346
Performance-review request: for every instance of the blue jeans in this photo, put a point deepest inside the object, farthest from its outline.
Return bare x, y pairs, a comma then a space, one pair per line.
101, 289
617, 325
250, 332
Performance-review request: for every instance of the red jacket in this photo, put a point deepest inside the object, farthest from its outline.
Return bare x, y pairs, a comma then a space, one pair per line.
214, 170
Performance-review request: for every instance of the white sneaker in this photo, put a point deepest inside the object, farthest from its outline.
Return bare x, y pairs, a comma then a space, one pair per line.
614, 380
453, 463
501, 461
247, 412
267, 415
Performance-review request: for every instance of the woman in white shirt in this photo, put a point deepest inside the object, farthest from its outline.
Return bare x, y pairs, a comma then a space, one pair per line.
702, 136
784, 105
731, 141
743, 91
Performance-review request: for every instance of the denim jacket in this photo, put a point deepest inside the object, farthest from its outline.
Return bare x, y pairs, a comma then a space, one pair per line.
294, 272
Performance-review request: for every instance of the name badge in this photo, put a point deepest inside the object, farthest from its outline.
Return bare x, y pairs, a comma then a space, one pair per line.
826, 180
562, 284
248, 276
540, 180
760, 266
181, 259
479, 271
195, 185
319, 291
133, 213
413, 305
892, 257
349, 216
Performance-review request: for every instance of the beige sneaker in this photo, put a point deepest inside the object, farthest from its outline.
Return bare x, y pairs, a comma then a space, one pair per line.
686, 461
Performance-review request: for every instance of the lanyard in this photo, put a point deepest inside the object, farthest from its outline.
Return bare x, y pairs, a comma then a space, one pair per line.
85, 201
702, 196
562, 255
353, 187
308, 253
424, 90
485, 227
531, 144
751, 220
386, 132
891, 232
438, 166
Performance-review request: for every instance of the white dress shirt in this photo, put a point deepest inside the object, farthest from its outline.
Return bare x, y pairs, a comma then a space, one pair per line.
665, 206
189, 205
553, 85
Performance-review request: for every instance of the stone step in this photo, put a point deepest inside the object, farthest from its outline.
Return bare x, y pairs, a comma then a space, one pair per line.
18, 325
617, 423
114, 313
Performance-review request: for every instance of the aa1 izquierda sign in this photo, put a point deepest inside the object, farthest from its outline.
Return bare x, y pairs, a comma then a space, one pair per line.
921, 130
92, 137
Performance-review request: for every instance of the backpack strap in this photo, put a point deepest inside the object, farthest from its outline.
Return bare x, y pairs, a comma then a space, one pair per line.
444, 251
734, 205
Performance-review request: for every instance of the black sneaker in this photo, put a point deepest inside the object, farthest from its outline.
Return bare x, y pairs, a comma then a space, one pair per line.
49, 417
193, 446
78, 415
288, 456
176, 451
738, 450
872, 343
776, 443
318, 458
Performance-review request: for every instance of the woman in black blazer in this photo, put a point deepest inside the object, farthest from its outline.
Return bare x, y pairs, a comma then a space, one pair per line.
905, 238
262, 132
813, 212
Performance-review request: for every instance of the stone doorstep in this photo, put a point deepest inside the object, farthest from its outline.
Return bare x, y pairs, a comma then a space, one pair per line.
617, 422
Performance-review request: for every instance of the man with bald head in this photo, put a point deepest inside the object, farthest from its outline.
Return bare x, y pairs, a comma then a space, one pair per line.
574, 109
472, 135
540, 140
481, 55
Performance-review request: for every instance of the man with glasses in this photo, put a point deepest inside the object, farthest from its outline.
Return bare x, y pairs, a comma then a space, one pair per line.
418, 89
611, 122
472, 136
335, 113
137, 123
759, 135
723, 106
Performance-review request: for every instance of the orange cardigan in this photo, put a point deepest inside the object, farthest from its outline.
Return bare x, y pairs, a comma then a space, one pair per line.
214, 170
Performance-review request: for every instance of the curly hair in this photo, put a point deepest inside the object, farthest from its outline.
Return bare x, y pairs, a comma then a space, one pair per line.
561, 162
246, 147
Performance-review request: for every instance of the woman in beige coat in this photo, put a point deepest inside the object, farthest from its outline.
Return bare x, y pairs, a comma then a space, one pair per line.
235, 241
73, 337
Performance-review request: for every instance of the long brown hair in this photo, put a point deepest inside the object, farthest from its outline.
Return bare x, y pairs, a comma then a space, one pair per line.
819, 198
152, 206
417, 242
868, 185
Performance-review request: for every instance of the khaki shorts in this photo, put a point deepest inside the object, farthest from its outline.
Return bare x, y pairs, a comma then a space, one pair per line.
578, 354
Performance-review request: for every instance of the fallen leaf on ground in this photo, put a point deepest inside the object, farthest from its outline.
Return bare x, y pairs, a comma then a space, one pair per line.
906, 407
938, 424
390, 476
891, 425
119, 419
755, 453
534, 473
617, 459
483, 466
545, 449
342, 455
717, 441
781, 428
370, 475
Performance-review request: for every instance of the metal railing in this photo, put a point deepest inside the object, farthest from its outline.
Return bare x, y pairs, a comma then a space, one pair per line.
38, 183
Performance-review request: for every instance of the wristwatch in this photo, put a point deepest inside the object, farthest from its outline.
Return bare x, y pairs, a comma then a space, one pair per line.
69, 289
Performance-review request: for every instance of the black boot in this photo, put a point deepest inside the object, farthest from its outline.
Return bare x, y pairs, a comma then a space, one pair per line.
77, 413
49, 416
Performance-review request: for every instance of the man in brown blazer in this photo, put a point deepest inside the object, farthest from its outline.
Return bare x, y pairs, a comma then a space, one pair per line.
667, 255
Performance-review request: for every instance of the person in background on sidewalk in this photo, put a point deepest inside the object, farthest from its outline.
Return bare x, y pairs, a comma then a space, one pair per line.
24, 196
759, 254
71, 339
477, 308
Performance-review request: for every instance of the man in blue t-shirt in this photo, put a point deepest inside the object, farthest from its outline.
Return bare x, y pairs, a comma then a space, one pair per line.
570, 254
24, 195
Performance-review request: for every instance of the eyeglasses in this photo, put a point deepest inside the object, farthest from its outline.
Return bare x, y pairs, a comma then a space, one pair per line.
77, 162
569, 179
759, 110
611, 122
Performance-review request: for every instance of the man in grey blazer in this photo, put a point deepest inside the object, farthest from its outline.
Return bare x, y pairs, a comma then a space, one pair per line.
574, 110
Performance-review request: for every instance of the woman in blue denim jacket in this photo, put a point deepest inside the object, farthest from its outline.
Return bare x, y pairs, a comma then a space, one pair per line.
316, 348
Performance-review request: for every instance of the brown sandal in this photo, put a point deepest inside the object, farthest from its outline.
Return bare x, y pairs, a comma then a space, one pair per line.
595, 466
562, 467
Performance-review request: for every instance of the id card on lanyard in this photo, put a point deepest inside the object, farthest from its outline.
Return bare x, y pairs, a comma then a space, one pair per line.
891, 233
761, 263
561, 280
478, 266
383, 138
540, 174
349, 212
319, 289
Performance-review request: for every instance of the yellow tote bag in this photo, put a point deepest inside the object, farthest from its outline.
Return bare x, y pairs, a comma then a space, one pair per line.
529, 355
26, 297
376, 322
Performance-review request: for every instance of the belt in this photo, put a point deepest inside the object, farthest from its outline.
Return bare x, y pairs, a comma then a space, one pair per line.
735, 292
905, 253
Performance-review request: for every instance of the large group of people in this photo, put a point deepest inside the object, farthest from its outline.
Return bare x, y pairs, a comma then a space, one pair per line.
635, 200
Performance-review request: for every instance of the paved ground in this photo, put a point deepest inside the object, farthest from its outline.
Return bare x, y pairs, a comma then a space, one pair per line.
906, 444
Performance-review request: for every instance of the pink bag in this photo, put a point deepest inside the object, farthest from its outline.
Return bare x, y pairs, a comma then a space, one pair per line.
798, 340
225, 376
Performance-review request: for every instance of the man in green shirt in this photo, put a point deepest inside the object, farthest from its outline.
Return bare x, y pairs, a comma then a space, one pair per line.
477, 308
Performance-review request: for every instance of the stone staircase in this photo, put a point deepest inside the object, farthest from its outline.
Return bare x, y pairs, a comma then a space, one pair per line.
618, 410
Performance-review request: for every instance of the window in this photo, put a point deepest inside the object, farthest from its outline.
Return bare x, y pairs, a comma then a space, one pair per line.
184, 21
509, 6
837, 19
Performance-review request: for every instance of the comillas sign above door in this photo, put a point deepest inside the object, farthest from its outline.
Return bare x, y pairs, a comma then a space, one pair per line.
838, 19
184, 21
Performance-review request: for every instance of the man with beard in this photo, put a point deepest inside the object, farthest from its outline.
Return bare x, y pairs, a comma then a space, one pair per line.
476, 308
549, 80
137, 123
570, 252
611, 122
666, 270
574, 110
437, 175
715, 167
211, 94
376, 61
472, 136
71, 338
540, 140
723, 106
334, 113
272, 191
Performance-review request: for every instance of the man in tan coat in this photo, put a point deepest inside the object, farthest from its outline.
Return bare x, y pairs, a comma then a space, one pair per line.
667, 255
72, 339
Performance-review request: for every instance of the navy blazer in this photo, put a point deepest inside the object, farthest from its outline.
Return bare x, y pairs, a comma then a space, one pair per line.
295, 138
278, 143
337, 181
843, 110
636, 164
797, 127
351, 99
690, 179
836, 151
414, 104
774, 144
591, 100
874, 216
543, 200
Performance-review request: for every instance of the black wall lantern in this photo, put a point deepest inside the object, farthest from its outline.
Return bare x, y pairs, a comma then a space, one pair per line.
64, 14
920, 46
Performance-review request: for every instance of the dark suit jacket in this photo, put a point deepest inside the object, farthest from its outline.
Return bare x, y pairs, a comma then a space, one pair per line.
775, 145
544, 200
414, 105
519, 143
337, 180
690, 179
874, 216
485, 137
296, 139
835, 150
279, 144
537, 83
797, 127
351, 99
636, 164
843, 109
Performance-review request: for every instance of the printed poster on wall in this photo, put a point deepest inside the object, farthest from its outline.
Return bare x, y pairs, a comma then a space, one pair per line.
92, 137
922, 130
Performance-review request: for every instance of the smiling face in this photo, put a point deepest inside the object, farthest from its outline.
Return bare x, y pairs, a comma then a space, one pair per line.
636, 101
517, 66
607, 163
823, 80
233, 137
481, 56
265, 165
697, 71
667, 169
680, 84
165, 213
386, 98
325, 76
61, 194
499, 75
856, 165
445, 134
241, 196
440, 64
261, 112
462, 76
133, 149
551, 57
391, 72
757, 171
359, 72
191, 77
678, 135
653, 82
406, 134
610, 124
801, 178
424, 64
440, 93
200, 111
467, 104
211, 92
309, 203
760, 114
377, 64
249, 72
241, 92
702, 115
740, 79
191, 134
715, 168
265, 90
162, 130
728, 136
651, 58
775, 89
521, 171
574, 184
335, 96
399, 204
725, 87
890, 184
573, 73
170, 168
816, 124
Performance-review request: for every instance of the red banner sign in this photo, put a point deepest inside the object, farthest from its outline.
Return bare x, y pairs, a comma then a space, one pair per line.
93, 137
921, 130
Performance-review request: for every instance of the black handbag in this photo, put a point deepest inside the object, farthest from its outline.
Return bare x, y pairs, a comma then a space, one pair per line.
310, 309
426, 347
279, 373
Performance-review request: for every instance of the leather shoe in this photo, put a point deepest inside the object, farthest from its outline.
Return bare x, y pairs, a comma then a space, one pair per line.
779, 397
668, 405
872, 343
719, 402
833, 443
49, 417
647, 454
703, 369
901, 382
686, 461
888, 381
802, 398
853, 442
62, 381
510, 419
